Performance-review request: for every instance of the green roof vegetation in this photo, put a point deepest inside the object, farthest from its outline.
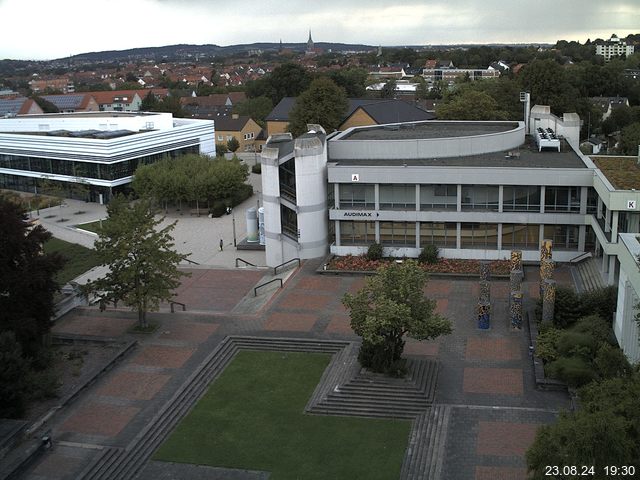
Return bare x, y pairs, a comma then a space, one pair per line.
622, 172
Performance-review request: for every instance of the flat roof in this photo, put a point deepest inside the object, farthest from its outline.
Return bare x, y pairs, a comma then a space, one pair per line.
429, 129
622, 172
526, 156
94, 134
88, 114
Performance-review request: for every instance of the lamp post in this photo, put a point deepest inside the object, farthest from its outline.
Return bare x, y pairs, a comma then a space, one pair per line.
233, 223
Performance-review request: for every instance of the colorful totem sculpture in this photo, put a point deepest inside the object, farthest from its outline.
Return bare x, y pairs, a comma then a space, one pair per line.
548, 301
484, 300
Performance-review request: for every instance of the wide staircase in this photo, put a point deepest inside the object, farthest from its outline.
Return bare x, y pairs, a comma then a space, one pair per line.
588, 275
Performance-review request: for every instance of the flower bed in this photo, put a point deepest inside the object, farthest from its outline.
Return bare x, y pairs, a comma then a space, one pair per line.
444, 265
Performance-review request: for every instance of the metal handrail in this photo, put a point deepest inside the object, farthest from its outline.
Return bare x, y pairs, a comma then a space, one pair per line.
581, 257
172, 303
255, 290
244, 261
191, 261
275, 269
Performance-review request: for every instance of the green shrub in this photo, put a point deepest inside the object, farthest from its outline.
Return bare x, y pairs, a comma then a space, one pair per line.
611, 361
42, 384
567, 307
257, 168
575, 371
547, 344
221, 149
599, 328
239, 195
375, 252
602, 302
218, 208
571, 343
429, 254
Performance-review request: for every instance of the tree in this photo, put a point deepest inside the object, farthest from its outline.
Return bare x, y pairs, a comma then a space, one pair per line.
27, 284
389, 89
256, 108
630, 139
605, 431
13, 373
353, 80
150, 102
469, 104
45, 105
391, 305
323, 103
143, 265
549, 84
233, 144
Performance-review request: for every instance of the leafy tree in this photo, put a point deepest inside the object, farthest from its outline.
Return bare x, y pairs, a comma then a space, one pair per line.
233, 144
286, 80
27, 284
353, 80
221, 149
389, 89
549, 84
630, 139
470, 104
150, 103
391, 305
13, 373
323, 103
605, 431
256, 108
143, 265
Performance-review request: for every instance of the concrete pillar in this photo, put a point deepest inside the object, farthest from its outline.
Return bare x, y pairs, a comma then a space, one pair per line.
417, 197
614, 226
599, 208
499, 236
336, 195
543, 191
376, 196
458, 230
500, 201
611, 277
584, 193
582, 237
337, 229
417, 234
459, 199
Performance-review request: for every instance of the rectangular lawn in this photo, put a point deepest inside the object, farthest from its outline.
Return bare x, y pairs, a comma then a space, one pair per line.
252, 418
78, 259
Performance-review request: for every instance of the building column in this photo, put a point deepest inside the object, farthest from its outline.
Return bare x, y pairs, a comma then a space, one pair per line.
417, 197
540, 235
611, 278
582, 237
377, 231
458, 230
500, 228
417, 234
599, 208
459, 204
605, 259
336, 196
614, 226
376, 196
584, 192
500, 200
543, 191
337, 229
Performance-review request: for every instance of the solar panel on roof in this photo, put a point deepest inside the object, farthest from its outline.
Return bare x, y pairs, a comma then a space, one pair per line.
65, 101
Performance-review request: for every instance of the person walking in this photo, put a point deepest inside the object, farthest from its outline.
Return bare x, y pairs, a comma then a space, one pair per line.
221, 244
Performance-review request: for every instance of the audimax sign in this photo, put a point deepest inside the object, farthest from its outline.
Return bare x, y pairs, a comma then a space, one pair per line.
361, 214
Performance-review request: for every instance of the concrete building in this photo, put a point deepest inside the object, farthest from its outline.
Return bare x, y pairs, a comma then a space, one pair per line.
98, 151
476, 190
614, 47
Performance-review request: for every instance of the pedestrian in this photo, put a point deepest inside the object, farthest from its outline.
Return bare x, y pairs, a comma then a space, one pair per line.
221, 244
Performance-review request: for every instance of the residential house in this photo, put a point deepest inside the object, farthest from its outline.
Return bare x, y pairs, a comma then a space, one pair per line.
608, 104
242, 128
216, 105
614, 47
17, 105
360, 112
125, 100
73, 102
62, 84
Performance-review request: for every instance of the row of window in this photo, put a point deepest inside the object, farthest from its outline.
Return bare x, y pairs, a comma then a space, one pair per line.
99, 171
521, 198
444, 235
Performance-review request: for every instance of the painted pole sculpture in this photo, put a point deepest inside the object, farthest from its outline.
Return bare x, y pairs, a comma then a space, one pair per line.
515, 310
515, 296
484, 301
548, 301
546, 263
516, 260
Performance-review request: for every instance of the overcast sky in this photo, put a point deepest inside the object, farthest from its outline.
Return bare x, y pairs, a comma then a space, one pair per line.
48, 29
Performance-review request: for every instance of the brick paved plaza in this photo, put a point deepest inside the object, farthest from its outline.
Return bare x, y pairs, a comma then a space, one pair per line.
485, 376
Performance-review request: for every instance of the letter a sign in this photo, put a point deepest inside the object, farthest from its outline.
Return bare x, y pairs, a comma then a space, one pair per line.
355, 177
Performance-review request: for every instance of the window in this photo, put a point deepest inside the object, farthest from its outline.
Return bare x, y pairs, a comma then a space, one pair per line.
564, 237
562, 199
439, 234
357, 233
479, 235
398, 233
229, 137
289, 222
357, 196
398, 197
520, 236
480, 197
521, 198
592, 201
287, 173
221, 138
438, 197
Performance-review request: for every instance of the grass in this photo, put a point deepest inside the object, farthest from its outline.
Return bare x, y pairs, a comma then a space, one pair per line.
622, 172
252, 418
79, 259
91, 226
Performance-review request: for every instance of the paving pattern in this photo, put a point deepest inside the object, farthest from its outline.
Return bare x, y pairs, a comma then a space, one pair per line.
479, 421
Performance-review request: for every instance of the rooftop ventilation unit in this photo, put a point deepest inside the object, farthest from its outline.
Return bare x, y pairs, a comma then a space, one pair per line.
547, 139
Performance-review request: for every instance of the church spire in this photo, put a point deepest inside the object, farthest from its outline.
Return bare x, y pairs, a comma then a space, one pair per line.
310, 46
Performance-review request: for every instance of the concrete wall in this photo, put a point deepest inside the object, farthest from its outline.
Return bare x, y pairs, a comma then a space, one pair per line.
625, 326
568, 126
271, 202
